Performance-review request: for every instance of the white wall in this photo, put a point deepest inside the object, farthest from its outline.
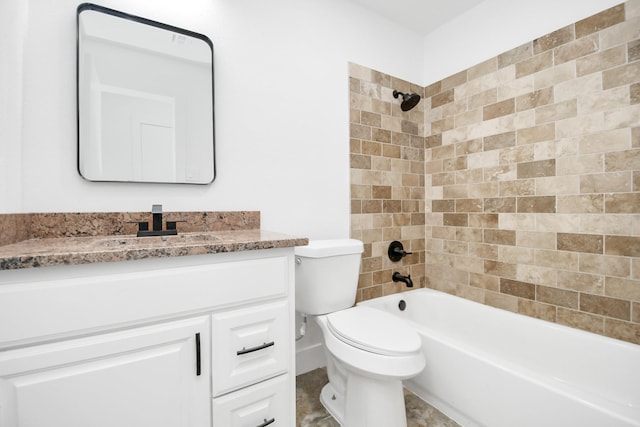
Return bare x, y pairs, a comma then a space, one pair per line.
13, 20
281, 96
496, 26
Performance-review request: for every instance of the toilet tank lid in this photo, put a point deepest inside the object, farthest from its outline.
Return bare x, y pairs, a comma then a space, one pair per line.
326, 248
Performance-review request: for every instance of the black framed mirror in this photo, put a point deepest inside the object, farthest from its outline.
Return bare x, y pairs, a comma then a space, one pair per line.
145, 100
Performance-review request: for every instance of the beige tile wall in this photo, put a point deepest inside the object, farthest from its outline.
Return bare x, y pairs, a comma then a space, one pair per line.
387, 179
531, 175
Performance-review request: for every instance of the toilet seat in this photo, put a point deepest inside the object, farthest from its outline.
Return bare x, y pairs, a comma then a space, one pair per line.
374, 331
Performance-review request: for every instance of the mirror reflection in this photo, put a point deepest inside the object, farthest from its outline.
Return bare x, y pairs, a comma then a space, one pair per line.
145, 100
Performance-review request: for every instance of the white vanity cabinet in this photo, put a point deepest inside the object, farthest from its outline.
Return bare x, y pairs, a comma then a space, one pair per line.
189, 341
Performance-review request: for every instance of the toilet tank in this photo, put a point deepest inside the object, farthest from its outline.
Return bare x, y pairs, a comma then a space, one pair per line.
327, 275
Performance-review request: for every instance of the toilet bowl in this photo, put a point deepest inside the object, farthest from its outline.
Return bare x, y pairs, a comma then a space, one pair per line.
369, 352
366, 365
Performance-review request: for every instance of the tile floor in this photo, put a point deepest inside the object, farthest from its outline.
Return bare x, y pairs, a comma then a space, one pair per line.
311, 413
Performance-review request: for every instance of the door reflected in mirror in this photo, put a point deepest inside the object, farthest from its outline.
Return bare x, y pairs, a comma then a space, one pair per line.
145, 100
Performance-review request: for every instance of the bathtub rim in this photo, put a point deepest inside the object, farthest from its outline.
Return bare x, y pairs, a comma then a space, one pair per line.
490, 308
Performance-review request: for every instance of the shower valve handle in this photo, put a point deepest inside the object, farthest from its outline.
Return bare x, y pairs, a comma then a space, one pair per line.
401, 252
396, 251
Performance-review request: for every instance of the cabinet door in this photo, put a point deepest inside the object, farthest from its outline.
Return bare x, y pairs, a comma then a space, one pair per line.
147, 376
261, 405
249, 345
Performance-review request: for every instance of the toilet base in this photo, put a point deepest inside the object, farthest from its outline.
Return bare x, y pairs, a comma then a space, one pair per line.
333, 402
368, 402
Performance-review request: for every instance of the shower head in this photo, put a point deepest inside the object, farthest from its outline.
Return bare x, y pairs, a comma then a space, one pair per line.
408, 100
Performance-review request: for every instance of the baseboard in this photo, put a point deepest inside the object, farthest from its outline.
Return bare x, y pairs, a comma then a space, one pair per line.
310, 358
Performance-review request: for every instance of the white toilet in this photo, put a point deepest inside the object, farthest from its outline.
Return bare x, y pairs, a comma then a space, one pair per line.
369, 352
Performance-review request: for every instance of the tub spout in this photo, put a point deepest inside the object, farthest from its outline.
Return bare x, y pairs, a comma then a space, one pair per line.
397, 277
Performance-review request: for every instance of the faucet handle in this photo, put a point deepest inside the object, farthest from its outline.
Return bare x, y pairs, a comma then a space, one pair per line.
142, 226
172, 225
396, 251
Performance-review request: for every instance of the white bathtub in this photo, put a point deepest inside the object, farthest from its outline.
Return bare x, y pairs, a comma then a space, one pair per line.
490, 367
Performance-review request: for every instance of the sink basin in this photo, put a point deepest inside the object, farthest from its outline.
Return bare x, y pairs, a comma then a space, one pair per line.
192, 238
184, 238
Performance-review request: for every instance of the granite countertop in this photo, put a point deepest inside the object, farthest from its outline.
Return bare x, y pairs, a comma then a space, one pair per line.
86, 250
41, 240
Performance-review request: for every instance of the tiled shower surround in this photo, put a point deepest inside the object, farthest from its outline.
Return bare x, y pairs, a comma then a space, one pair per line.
516, 182
387, 180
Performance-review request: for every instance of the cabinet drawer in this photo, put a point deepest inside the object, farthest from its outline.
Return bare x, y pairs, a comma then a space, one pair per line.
249, 345
264, 404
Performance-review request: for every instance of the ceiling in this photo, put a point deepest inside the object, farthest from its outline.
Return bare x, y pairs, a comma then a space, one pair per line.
421, 16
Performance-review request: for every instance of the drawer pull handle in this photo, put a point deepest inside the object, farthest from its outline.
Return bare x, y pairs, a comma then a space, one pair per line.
267, 422
252, 349
198, 356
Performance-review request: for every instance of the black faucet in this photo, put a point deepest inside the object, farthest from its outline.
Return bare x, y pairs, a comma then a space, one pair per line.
397, 277
156, 212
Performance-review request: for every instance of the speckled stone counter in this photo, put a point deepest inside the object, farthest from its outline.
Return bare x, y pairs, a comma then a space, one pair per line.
69, 239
